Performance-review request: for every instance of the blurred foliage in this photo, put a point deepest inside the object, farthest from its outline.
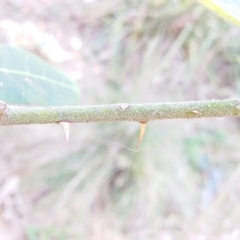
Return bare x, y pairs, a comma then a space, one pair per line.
182, 181
141, 42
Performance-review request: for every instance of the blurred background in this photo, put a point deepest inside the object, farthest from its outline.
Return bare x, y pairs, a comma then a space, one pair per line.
183, 183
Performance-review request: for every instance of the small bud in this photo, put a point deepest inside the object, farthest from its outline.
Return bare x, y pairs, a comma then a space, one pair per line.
3, 107
124, 106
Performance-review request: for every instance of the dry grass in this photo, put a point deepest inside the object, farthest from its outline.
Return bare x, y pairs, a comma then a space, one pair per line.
182, 183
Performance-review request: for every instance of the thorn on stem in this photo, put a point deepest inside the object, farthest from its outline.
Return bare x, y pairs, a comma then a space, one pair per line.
196, 112
141, 134
66, 129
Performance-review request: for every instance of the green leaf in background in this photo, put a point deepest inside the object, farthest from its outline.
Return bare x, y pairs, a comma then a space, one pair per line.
26, 79
227, 9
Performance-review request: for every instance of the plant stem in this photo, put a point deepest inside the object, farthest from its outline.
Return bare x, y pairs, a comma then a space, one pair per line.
12, 114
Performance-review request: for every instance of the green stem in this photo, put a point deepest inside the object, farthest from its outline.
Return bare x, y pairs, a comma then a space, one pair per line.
12, 114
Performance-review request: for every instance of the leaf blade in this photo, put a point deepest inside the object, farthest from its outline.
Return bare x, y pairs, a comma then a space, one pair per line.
229, 10
26, 79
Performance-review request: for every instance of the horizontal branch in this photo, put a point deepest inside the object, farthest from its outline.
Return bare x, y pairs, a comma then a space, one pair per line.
12, 114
